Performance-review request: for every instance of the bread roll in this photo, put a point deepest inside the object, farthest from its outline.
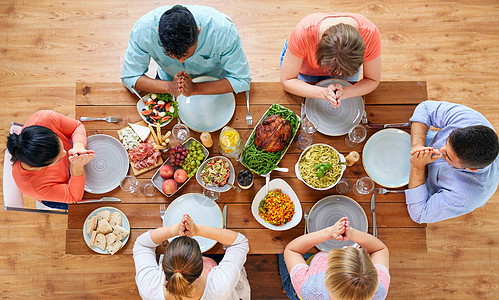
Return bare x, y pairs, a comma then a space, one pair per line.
100, 241
111, 238
104, 215
104, 227
114, 247
120, 232
115, 219
91, 224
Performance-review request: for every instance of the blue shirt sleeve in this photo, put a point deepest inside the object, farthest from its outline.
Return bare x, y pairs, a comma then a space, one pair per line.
440, 114
137, 59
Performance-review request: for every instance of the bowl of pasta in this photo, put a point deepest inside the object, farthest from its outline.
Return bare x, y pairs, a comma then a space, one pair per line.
320, 167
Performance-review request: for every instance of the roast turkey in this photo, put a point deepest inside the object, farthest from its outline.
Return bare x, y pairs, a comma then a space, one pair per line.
272, 134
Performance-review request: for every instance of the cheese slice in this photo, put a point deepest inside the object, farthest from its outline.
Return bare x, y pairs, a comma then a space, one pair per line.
142, 131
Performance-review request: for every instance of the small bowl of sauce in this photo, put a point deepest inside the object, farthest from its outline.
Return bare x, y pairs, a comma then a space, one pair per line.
245, 179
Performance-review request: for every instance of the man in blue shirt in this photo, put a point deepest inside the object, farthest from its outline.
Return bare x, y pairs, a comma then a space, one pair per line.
463, 167
186, 42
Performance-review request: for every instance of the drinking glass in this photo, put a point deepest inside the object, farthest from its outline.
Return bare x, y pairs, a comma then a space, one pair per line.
147, 188
343, 186
130, 184
211, 192
355, 136
180, 132
305, 138
363, 186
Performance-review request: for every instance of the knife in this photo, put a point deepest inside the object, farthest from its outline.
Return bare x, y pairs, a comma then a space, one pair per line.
224, 214
373, 209
103, 199
383, 126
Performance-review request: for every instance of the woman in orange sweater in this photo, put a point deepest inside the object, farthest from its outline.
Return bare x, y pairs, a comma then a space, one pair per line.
49, 155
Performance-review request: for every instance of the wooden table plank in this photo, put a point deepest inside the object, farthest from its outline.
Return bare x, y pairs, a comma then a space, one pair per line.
264, 241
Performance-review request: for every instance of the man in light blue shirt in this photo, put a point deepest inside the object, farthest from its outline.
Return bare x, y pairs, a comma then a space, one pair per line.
463, 167
186, 42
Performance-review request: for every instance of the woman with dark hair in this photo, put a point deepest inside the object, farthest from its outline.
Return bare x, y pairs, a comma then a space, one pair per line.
184, 272
332, 44
48, 158
342, 274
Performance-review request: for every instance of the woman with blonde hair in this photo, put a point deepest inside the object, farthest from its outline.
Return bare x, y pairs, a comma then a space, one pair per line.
342, 274
331, 44
184, 272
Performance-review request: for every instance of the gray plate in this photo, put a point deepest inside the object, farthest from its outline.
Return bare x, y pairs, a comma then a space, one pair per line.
223, 188
110, 164
327, 211
334, 121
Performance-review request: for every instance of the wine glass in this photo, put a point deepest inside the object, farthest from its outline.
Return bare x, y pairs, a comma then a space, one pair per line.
305, 138
355, 136
180, 132
211, 191
130, 184
363, 186
147, 188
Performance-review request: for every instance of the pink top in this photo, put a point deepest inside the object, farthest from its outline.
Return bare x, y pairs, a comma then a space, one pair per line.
308, 281
304, 39
53, 183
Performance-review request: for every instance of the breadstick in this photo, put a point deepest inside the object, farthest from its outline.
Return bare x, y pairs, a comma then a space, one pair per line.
158, 129
153, 134
159, 147
167, 135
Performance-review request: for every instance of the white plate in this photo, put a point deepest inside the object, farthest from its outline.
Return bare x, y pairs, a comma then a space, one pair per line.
223, 188
206, 112
110, 164
386, 157
124, 223
297, 169
202, 210
286, 189
334, 121
327, 211
141, 105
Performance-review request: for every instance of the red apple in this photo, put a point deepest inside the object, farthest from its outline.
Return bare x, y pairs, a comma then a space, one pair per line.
169, 186
166, 171
180, 176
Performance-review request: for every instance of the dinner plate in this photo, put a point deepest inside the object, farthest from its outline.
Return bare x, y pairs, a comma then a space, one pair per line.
206, 112
202, 210
223, 188
124, 223
110, 164
334, 121
327, 211
286, 189
386, 157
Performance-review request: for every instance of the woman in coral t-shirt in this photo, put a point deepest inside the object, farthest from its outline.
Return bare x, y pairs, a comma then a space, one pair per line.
49, 155
331, 44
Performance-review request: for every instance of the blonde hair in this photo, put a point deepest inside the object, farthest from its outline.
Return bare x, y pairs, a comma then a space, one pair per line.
341, 50
182, 265
350, 274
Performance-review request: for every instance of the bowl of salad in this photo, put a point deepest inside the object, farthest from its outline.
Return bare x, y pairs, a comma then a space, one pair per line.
158, 108
215, 172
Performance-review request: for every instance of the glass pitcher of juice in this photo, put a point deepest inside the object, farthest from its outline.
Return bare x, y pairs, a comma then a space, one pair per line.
231, 144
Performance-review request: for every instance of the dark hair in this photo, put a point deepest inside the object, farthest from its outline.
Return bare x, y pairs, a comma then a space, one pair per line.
341, 50
178, 31
36, 146
182, 264
475, 146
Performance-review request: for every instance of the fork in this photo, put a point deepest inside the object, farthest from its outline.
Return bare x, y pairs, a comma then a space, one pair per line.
162, 209
249, 118
107, 119
384, 191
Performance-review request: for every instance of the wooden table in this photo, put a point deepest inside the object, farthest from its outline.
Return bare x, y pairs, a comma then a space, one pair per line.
391, 102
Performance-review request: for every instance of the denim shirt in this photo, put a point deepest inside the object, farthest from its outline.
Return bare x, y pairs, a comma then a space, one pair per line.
219, 52
449, 192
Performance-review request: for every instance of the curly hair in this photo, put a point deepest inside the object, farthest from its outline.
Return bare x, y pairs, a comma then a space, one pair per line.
178, 31
341, 50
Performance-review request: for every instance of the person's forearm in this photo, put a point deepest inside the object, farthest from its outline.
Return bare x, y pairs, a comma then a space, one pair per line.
77, 170
150, 85
78, 146
220, 86
361, 88
418, 134
300, 88
224, 236
161, 234
417, 176
305, 242
366, 241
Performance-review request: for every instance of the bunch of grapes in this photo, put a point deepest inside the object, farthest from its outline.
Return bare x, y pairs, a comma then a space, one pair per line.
193, 159
178, 155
